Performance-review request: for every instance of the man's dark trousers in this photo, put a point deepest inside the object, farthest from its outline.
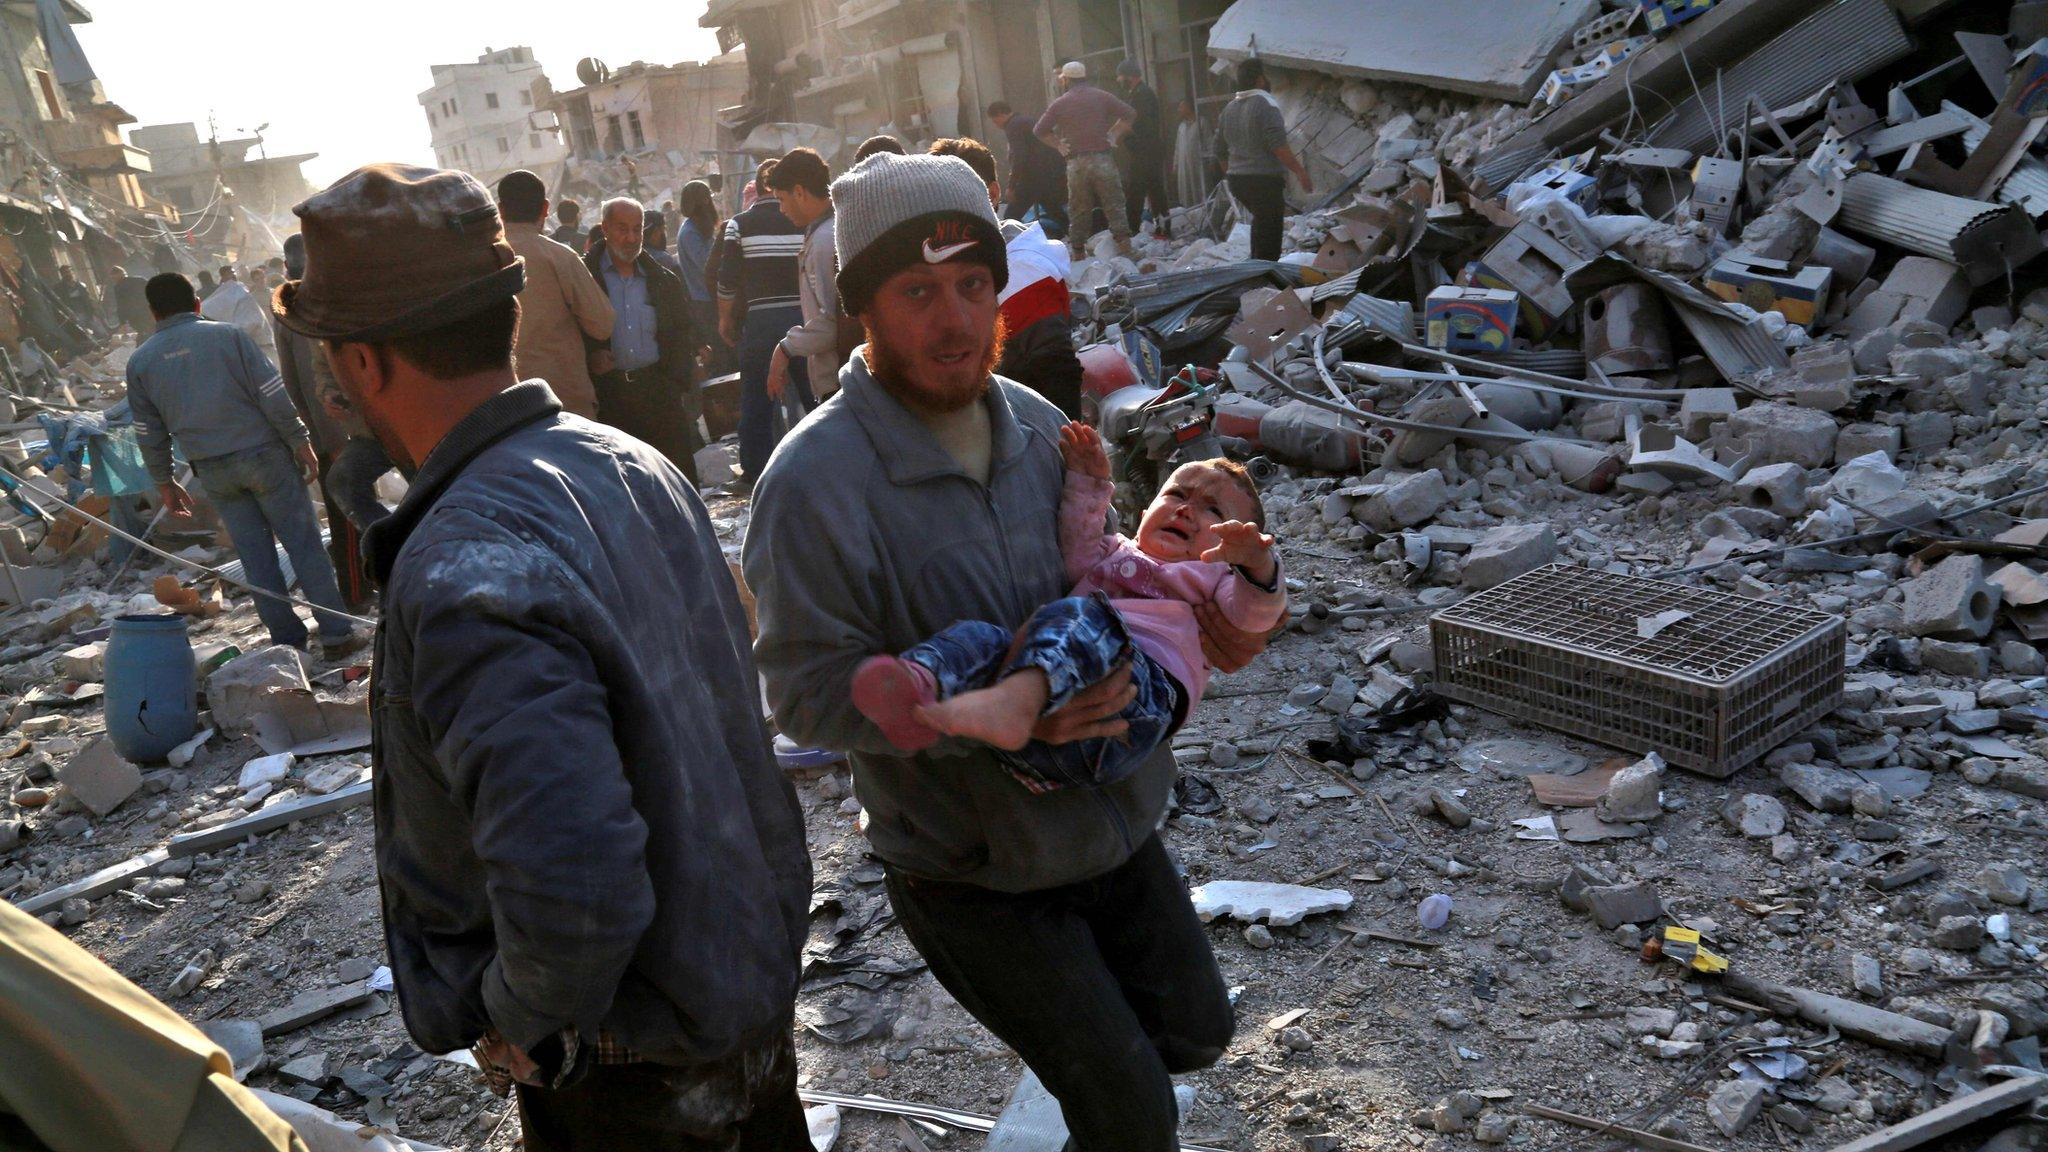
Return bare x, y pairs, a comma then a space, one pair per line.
747, 1103
1105, 987
1265, 197
762, 419
648, 406
1145, 177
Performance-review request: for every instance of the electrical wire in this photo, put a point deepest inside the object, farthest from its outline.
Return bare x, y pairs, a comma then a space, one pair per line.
24, 493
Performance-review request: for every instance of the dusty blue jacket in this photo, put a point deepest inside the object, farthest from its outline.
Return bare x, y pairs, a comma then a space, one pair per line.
580, 820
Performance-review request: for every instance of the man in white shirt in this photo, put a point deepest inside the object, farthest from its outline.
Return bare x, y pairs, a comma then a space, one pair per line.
232, 303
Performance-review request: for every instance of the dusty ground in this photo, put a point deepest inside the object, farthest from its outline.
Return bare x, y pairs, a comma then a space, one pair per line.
1535, 992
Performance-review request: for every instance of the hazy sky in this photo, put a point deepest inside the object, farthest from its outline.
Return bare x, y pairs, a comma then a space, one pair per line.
343, 79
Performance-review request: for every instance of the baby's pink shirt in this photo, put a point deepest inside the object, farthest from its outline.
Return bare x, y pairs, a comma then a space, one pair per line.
1156, 597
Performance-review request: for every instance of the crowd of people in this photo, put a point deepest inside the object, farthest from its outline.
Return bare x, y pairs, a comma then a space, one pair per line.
937, 597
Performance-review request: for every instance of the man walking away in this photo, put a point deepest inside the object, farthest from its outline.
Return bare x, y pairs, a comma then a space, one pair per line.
300, 363
759, 301
809, 352
563, 314
646, 385
206, 386
1144, 150
1037, 324
233, 303
1251, 143
1037, 177
131, 304
558, 624
1084, 124
925, 494
569, 226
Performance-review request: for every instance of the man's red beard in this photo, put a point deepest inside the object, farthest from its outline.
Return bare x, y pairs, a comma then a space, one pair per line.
891, 370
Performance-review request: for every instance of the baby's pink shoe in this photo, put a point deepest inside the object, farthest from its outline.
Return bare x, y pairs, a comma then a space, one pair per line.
889, 690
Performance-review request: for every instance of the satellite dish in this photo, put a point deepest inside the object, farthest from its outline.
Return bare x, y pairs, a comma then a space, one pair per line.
591, 70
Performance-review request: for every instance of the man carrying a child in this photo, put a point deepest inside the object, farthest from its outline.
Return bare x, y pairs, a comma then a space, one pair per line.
926, 493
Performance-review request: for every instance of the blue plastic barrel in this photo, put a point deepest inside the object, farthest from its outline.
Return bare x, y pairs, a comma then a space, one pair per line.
152, 697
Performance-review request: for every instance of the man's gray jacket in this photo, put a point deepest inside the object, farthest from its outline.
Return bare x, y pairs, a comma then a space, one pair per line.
209, 387
580, 820
867, 538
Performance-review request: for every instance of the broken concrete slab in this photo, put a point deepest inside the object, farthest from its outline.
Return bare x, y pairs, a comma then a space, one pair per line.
99, 778
240, 690
1612, 905
1405, 502
1507, 552
1632, 795
1276, 904
1784, 434
1472, 46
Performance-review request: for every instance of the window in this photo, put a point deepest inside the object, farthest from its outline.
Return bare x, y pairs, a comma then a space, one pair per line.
504, 146
526, 99
490, 99
453, 107
432, 121
533, 141
639, 137
53, 107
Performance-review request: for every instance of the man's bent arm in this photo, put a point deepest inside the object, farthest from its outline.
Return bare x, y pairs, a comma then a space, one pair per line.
818, 617
521, 728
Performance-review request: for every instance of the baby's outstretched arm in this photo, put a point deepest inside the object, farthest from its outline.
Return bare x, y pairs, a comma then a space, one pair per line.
1253, 598
1084, 501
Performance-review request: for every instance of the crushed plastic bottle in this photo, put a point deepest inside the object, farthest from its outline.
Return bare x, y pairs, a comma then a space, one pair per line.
1434, 911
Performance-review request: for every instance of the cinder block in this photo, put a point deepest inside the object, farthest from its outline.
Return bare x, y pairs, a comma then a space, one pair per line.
1952, 600
1406, 502
1778, 487
1783, 434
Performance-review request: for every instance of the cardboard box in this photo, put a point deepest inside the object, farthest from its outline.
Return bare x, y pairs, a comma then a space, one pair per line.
1531, 263
1663, 15
1771, 286
2026, 90
1576, 187
1715, 185
1470, 319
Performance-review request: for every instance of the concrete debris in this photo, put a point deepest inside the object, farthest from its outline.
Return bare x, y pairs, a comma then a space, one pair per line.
1276, 904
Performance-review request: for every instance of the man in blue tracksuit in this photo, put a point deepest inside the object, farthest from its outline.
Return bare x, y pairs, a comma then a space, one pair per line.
758, 303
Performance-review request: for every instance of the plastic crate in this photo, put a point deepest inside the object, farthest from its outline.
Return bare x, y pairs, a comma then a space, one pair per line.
1712, 692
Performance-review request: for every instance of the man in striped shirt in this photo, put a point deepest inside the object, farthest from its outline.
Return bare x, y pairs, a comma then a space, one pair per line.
758, 303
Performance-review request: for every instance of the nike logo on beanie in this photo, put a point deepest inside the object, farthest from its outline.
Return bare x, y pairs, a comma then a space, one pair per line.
941, 255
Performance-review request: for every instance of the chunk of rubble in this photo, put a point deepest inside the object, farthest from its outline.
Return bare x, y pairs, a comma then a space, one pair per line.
1275, 904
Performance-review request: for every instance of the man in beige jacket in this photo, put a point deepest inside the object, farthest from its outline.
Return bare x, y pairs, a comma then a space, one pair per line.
563, 314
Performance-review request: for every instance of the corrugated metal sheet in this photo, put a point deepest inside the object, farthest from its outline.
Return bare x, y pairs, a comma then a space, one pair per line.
1504, 165
1392, 316
1981, 237
1845, 41
2027, 186
1738, 348
1499, 49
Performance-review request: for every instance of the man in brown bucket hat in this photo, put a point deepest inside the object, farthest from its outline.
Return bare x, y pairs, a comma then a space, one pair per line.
593, 872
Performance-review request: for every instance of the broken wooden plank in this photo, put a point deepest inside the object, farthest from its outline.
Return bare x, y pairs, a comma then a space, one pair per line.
275, 816
312, 1006
1937, 1122
108, 879
1634, 1135
1860, 1021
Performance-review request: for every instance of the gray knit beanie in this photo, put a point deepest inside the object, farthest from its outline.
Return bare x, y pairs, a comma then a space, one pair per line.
891, 211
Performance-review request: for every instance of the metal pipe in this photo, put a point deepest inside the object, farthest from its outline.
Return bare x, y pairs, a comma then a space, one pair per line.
1377, 371
1603, 393
1349, 412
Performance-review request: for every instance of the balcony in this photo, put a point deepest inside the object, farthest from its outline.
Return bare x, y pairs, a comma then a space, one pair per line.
105, 159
